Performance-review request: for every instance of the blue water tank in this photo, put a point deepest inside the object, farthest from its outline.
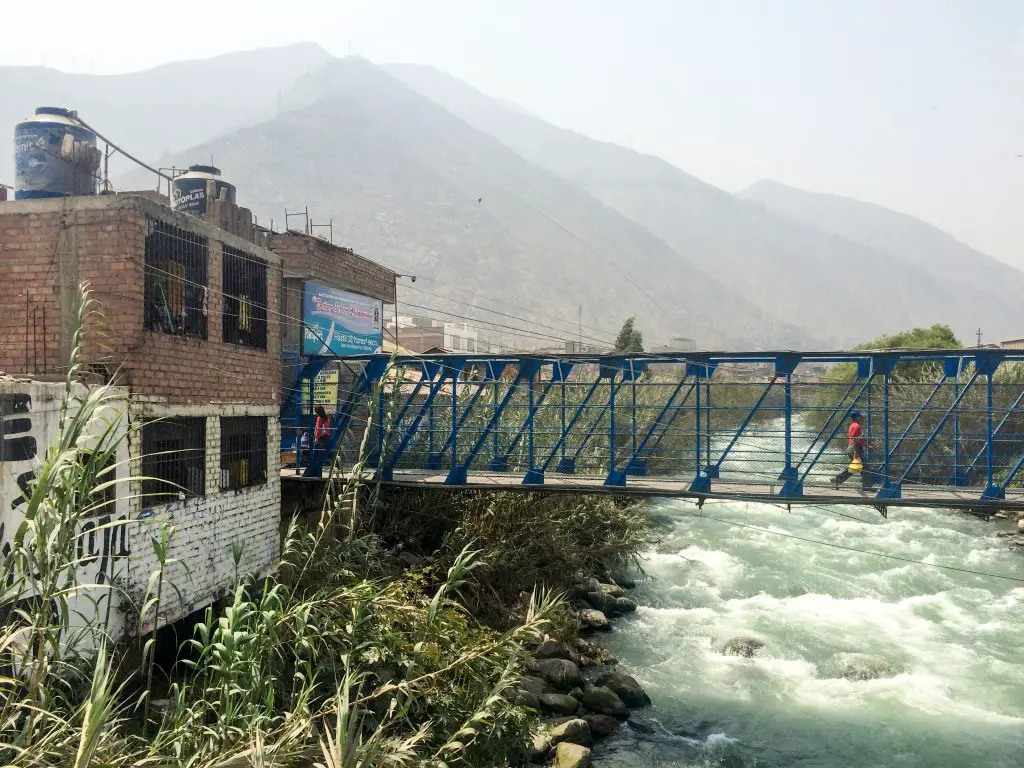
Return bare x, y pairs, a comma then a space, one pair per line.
54, 156
191, 190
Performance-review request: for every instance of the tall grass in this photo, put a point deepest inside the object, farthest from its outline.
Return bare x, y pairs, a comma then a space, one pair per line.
325, 663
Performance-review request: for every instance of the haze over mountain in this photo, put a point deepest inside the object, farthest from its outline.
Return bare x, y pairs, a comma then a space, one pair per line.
156, 111
908, 239
410, 184
802, 269
491, 204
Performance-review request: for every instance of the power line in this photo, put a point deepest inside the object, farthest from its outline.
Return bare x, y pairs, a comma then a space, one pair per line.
574, 325
504, 314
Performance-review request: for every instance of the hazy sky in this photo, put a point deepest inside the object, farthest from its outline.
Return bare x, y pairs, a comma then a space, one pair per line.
914, 104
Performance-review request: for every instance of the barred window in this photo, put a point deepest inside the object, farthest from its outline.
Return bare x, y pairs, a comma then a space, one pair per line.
243, 451
245, 299
176, 281
173, 459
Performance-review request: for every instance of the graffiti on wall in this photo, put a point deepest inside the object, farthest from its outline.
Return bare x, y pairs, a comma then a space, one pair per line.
102, 540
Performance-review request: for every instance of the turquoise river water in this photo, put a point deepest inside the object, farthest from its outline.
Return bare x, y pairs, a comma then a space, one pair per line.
868, 661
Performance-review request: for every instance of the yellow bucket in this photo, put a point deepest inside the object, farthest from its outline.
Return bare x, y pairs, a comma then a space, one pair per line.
856, 465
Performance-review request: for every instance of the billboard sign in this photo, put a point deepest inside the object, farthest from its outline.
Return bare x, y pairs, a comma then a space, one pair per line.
337, 322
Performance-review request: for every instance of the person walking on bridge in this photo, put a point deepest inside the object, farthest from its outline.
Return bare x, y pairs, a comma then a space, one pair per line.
857, 453
321, 431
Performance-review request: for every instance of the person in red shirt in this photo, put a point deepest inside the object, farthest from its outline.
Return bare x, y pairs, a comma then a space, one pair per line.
321, 430
857, 449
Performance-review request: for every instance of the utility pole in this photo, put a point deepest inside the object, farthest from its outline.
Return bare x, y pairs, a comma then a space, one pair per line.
579, 316
979, 338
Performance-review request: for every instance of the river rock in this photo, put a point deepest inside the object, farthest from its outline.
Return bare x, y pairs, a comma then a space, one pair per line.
603, 701
577, 693
576, 731
601, 601
624, 580
524, 698
858, 666
540, 747
624, 605
557, 703
561, 673
534, 685
601, 725
554, 649
612, 589
589, 585
626, 688
1020, 525
591, 618
571, 756
747, 647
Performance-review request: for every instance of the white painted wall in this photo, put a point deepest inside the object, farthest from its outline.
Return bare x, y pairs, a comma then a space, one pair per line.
30, 412
207, 529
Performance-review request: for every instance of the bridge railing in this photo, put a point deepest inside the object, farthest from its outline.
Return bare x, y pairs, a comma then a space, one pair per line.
773, 421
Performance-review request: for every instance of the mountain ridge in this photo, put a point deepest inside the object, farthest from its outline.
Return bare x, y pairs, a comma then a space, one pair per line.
842, 287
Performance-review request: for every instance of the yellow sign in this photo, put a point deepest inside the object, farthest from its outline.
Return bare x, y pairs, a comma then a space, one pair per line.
325, 391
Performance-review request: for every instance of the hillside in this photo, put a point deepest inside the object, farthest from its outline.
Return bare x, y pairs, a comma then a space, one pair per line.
901, 236
413, 186
162, 109
796, 268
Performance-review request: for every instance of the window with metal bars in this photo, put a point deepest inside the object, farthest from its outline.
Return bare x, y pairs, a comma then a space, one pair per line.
243, 452
176, 281
173, 460
245, 299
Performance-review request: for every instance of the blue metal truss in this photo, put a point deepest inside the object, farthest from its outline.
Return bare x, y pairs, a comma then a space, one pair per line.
753, 425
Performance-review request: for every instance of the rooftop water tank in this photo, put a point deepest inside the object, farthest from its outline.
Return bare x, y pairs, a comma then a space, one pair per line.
54, 156
190, 191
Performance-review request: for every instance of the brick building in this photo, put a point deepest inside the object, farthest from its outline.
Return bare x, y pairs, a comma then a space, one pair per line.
308, 260
191, 332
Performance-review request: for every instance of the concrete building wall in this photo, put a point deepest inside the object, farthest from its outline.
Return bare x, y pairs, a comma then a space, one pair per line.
209, 530
29, 424
47, 247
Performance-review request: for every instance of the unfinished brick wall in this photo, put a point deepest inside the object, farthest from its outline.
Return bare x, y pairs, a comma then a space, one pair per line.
312, 258
47, 247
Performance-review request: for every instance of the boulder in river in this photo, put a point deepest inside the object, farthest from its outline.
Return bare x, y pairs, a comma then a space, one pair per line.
571, 756
857, 667
561, 673
591, 618
747, 647
555, 649
534, 685
626, 688
601, 601
524, 698
624, 605
601, 725
612, 589
603, 701
557, 703
576, 731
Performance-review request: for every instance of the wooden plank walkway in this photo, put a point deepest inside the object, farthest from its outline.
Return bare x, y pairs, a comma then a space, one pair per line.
913, 495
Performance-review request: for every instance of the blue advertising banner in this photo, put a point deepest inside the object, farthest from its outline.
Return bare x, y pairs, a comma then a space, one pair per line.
340, 323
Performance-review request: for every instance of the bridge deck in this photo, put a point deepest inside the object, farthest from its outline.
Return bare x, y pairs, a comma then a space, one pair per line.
920, 496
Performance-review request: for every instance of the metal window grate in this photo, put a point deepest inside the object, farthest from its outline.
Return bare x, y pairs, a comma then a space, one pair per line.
176, 281
245, 299
173, 459
243, 451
